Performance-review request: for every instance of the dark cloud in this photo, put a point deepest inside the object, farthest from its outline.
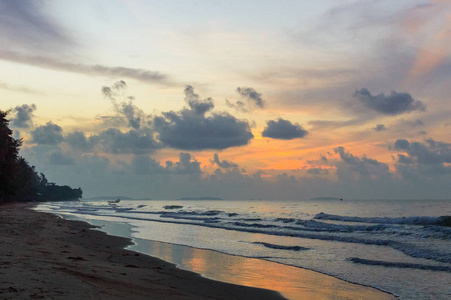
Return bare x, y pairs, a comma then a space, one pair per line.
58, 158
430, 152
425, 164
187, 130
190, 129
223, 164
125, 107
252, 95
283, 130
78, 140
95, 70
402, 144
317, 171
48, 134
112, 91
404, 159
200, 106
115, 141
25, 24
363, 167
380, 127
392, 104
23, 116
253, 99
145, 165
187, 165
184, 166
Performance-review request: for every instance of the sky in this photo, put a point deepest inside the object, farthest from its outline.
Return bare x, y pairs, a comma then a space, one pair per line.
271, 100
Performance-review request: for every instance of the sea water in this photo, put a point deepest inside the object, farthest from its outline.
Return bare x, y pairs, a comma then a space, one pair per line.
396, 246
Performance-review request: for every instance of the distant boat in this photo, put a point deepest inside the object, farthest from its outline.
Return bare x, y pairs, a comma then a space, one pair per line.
114, 201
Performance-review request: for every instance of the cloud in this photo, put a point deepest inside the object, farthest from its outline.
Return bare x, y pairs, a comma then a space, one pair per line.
254, 99
187, 165
317, 171
134, 115
239, 106
78, 140
283, 130
360, 167
58, 158
190, 129
223, 164
21, 89
426, 165
401, 144
431, 152
251, 95
48, 134
184, 165
142, 75
393, 104
145, 165
113, 140
380, 127
25, 24
23, 116
200, 106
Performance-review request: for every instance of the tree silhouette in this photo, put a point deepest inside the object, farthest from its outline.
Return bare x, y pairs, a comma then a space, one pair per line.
9, 151
18, 180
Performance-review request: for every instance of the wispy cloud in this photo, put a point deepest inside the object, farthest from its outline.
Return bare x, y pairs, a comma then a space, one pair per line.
25, 25
95, 70
20, 89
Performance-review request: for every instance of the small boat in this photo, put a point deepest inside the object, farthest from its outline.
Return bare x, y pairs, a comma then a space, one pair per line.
114, 201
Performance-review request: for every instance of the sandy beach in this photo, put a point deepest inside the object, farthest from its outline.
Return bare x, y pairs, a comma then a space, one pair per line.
45, 257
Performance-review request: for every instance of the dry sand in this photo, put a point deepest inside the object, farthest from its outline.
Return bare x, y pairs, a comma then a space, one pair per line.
45, 257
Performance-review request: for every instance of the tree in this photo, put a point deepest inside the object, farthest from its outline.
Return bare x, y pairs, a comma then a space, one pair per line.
18, 180
9, 151
27, 181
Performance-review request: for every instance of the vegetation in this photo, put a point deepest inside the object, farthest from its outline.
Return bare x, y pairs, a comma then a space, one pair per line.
18, 180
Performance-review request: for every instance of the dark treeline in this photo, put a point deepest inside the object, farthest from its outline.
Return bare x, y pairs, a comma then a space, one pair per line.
18, 180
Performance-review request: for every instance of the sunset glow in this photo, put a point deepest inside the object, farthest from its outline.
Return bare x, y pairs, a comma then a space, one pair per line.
294, 99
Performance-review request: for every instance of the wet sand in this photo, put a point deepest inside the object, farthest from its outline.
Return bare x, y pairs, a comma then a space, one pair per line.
44, 256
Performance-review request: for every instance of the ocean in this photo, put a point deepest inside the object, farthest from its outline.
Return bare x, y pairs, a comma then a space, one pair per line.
397, 246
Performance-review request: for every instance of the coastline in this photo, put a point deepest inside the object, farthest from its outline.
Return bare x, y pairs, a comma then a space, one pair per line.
45, 256
54, 258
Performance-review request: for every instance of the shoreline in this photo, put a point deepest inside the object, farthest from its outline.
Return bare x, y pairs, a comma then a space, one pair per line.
45, 256
135, 247
290, 281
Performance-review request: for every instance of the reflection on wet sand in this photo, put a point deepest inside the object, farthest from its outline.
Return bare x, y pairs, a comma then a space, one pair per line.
291, 282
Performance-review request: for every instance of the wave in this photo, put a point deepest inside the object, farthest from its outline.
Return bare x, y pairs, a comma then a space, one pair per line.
281, 247
420, 220
399, 265
172, 206
393, 235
